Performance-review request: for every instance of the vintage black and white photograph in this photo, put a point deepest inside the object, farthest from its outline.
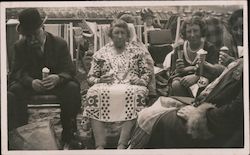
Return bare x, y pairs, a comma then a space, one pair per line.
124, 77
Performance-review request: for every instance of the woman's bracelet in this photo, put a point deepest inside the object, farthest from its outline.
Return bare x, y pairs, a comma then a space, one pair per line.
97, 80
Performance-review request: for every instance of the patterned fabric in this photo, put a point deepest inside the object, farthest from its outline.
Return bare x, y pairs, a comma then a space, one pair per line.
119, 100
131, 63
150, 63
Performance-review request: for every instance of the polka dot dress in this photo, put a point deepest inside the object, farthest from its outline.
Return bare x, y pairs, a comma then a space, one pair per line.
109, 103
119, 100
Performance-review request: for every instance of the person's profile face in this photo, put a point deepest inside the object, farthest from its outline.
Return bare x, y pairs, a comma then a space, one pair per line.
237, 30
119, 36
193, 33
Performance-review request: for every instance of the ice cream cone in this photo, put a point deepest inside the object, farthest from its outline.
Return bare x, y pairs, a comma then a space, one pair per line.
45, 72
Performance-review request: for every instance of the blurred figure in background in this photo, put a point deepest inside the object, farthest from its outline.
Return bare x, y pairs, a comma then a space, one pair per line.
148, 18
235, 28
218, 34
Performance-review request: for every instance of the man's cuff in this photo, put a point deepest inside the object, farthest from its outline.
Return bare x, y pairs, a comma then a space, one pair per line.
61, 80
27, 81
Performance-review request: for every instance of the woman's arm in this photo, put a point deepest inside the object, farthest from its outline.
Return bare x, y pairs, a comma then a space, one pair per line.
215, 69
211, 68
95, 71
144, 70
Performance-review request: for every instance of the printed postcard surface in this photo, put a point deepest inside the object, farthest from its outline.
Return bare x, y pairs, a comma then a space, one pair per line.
125, 77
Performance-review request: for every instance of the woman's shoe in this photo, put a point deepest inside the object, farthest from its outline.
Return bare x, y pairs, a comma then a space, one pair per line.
99, 148
121, 146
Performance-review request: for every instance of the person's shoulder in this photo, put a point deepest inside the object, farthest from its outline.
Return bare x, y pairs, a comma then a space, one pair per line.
103, 51
135, 48
20, 42
57, 40
134, 45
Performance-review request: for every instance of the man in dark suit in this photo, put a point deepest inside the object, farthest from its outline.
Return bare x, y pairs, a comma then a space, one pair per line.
36, 50
213, 119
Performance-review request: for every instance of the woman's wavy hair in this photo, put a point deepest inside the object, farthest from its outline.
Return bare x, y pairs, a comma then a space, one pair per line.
118, 23
193, 21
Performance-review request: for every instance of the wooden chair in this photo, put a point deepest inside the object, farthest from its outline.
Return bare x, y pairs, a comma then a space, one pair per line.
160, 44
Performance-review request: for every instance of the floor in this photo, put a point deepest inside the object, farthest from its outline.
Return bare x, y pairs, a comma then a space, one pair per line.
84, 135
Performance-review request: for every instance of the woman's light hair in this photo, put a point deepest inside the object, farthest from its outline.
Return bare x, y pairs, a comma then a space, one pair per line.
121, 24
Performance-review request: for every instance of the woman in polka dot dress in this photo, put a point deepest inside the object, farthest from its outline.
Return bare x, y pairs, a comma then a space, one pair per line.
119, 75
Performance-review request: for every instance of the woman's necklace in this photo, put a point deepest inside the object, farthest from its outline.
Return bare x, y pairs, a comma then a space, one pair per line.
189, 52
194, 51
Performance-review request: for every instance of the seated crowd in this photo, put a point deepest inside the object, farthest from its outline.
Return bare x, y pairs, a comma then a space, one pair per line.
203, 75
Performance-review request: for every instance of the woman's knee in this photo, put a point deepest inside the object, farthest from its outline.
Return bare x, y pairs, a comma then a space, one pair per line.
16, 89
73, 85
176, 84
178, 89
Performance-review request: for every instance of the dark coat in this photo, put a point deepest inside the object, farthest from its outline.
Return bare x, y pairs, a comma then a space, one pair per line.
228, 97
217, 122
28, 65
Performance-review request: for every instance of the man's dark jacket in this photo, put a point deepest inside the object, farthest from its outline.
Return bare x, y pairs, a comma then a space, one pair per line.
27, 64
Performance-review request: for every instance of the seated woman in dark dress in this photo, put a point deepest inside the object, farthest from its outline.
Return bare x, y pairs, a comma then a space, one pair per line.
184, 59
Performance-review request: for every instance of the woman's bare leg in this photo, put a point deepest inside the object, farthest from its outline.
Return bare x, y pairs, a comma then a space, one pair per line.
99, 133
125, 134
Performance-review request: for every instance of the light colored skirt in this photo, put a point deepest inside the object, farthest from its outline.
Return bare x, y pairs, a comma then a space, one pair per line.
113, 103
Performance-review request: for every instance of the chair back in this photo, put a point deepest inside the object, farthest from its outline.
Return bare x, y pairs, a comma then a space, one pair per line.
160, 37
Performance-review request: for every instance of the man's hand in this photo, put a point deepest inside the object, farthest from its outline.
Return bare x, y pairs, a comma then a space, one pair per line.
137, 81
186, 112
189, 80
179, 65
225, 59
50, 81
106, 78
37, 85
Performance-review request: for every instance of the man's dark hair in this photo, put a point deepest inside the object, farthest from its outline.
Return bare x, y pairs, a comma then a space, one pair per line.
236, 14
